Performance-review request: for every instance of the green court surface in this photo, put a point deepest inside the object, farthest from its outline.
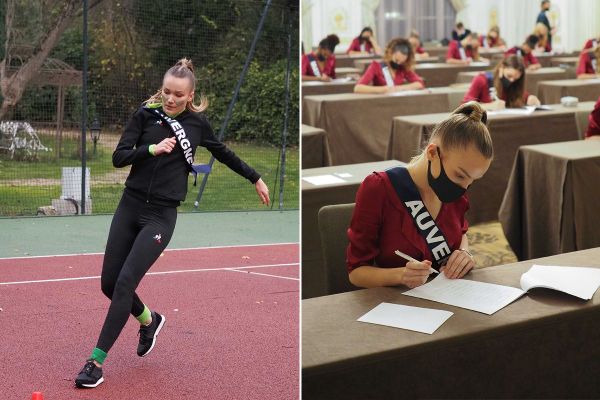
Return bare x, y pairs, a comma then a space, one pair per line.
36, 236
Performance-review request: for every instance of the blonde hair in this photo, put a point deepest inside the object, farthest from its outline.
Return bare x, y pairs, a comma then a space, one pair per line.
395, 45
467, 125
182, 69
541, 31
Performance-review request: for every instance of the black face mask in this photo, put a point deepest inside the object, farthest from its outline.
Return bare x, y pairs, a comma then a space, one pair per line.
505, 82
395, 65
446, 190
321, 57
363, 39
592, 55
469, 47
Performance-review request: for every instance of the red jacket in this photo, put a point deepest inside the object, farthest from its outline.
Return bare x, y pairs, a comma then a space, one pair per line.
480, 90
594, 118
528, 59
586, 64
355, 46
374, 74
328, 70
454, 51
381, 225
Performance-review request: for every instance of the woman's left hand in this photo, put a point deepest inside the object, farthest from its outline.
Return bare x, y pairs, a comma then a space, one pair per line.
263, 191
533, 101
459, 263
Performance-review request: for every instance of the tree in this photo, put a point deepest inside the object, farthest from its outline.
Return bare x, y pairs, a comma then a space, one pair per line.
54, 17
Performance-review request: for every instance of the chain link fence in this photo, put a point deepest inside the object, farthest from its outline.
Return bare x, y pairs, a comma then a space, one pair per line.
131, 45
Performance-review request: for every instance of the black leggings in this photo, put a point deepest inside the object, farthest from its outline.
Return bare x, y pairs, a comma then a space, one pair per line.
139, 233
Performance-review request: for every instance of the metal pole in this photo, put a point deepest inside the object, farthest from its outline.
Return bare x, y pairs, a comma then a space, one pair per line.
235, 95
84, 104
287, 109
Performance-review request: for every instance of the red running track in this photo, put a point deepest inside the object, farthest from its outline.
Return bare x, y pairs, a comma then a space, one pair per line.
231, 332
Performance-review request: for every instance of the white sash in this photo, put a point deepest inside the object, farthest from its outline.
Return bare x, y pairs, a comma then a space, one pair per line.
463, 54
363, 47
387, 75
314, 66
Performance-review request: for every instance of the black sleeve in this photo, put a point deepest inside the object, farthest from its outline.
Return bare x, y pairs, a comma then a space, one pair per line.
224, 154
126, 152
454, 35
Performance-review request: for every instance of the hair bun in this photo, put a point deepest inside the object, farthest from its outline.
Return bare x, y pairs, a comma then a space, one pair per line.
184, 62
473, 110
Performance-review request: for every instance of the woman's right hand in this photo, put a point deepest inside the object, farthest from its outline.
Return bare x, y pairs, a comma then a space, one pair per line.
165, 147
415, 273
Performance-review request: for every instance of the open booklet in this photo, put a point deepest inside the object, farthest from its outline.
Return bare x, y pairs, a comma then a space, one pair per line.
488, 298
527, 110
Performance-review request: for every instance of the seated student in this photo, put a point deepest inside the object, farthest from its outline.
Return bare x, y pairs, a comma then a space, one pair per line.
320, 65
504, 87
394, 73
492, 39
365, 43
415, 42
588, 64
400, 208
591, 44
543, 45
464, 51
460, 32
593, 130
526, 51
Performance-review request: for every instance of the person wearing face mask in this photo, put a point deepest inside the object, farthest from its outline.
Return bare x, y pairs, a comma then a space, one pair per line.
394, 73
492, 39
526, 52
420, 209
588, 64
159, 143
464, 51
364, 43
504, 87
593, 129
591, 44
319, 65
415, 42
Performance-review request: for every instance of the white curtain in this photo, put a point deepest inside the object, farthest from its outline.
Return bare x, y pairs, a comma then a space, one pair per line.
306, 28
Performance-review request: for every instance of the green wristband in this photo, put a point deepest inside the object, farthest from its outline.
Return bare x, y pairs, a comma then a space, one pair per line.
151, 148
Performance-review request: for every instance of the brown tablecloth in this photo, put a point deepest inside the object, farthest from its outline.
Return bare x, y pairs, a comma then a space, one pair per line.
509, 132
532, 78
346, 61
315, 148
544, 345
358, 125
558, 61
441, 74
584, 89
343, 72
564, 217
546, 58
316, 88
437, 51
315, 197
362, 65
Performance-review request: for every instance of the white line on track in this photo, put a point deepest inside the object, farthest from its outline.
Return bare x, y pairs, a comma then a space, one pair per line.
157, 273
258, 273
167, 250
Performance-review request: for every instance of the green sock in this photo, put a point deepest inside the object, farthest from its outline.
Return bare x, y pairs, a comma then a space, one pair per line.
98, 355
144, 316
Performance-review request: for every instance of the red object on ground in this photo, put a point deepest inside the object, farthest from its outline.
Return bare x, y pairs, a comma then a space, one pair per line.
37, 396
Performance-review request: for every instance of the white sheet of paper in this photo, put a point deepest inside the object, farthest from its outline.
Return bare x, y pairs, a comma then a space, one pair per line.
576, 281
483, 297
344, 175
410, 92
320, 180
342, 80
528, 110
418, 319
479, 63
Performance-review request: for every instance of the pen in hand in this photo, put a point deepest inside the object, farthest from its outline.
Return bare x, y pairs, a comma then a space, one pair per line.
409, 258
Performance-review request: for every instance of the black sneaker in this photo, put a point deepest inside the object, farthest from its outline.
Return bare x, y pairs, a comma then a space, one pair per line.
149, 333
90, 376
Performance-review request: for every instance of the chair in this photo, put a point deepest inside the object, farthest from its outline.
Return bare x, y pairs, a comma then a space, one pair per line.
334, 221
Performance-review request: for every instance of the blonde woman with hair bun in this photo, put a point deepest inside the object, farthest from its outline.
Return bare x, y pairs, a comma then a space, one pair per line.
159, 143
420, 209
